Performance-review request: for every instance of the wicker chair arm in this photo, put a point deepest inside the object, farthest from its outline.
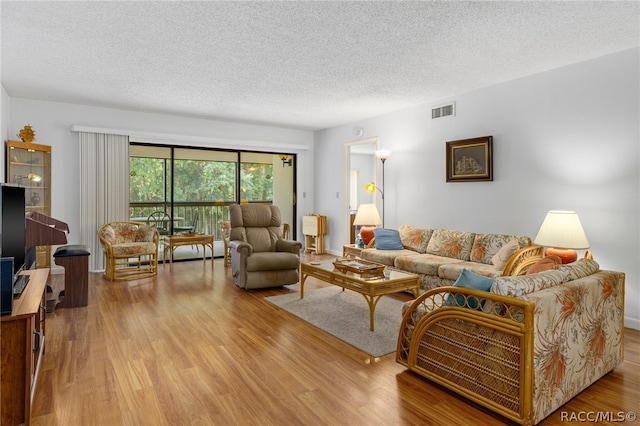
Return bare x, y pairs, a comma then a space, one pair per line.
522, 259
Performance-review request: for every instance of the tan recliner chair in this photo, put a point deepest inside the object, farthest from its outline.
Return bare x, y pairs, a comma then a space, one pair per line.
260, 258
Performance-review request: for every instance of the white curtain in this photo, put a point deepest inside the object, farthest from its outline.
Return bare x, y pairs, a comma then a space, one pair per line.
104, 188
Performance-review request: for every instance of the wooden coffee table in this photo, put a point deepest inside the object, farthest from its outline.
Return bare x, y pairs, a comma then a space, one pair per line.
371, 288
171, 242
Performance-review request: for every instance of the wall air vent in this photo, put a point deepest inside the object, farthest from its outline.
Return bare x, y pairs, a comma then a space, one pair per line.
444, 110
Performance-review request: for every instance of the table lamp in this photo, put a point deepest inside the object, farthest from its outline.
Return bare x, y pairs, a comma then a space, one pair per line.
562, 233
367, 218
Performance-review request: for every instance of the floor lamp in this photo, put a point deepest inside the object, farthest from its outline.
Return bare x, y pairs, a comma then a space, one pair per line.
371, 187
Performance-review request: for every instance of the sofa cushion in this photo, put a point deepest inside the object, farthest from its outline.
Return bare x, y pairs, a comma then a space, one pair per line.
427, 264
468, 279
387, 239
502, 256
452, 271
486, 246
414, 238
579, 269
521, 285
452, 244
386, 257
544, 264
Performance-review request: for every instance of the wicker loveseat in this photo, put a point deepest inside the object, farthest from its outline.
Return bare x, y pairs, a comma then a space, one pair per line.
130, 250
526, 347
439, 256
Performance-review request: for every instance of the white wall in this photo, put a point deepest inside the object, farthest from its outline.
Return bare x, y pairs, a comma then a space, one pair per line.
4, 126
52, 122
564, 139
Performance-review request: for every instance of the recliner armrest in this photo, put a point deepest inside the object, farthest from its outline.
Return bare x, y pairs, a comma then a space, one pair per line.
240, 246
289, 246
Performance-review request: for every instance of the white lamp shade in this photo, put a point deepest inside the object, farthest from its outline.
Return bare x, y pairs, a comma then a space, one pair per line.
367, 215
383, 154
562, 229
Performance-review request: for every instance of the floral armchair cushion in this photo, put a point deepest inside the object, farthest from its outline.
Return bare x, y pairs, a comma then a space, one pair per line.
108, 233
146, 233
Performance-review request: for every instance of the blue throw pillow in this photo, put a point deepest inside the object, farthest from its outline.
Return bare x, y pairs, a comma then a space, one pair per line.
468, 279
387, 239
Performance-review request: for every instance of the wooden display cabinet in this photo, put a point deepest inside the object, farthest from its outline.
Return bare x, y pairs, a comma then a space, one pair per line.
29, 165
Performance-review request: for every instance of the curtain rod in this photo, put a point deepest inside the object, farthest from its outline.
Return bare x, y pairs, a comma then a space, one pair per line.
150, 137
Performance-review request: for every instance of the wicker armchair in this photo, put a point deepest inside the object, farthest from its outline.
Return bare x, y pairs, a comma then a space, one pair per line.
130, 249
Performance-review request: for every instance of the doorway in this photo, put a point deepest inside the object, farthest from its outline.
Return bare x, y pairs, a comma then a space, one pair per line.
360, 168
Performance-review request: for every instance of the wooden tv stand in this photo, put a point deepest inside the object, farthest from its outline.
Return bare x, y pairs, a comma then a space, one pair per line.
21, 349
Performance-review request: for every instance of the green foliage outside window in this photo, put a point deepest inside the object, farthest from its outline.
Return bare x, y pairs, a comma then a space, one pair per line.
256, 182
198, 181
146, 179
204, 180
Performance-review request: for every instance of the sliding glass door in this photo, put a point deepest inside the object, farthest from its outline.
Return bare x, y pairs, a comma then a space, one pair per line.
190, 189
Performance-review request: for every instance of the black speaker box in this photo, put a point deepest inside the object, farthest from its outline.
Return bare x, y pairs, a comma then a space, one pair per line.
6, 285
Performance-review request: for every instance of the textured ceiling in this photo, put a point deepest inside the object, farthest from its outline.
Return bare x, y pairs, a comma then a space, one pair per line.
306, 65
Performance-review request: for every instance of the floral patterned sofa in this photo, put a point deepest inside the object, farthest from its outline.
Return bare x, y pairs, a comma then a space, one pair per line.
440, 255
525, 347
130, 250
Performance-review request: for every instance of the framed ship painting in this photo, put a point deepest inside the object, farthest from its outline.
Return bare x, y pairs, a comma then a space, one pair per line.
470, 160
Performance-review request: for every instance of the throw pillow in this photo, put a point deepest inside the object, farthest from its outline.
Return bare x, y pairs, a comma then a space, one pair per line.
468, 279
366, 233
544, 264
145, 233
503, 255
387, 239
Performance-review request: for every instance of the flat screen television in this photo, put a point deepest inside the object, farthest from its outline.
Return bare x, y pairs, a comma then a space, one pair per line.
12, 232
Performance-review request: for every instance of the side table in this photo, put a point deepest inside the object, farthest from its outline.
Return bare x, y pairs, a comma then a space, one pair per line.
171, 242
351, 250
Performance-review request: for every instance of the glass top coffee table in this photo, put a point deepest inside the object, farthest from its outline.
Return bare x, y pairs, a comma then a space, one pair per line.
371, 287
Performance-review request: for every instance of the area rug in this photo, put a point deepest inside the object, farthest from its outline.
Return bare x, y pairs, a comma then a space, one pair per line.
345, 314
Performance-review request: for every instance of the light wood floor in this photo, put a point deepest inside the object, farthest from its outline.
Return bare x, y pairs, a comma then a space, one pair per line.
190, 348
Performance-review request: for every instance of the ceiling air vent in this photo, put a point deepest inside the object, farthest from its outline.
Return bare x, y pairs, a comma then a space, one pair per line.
444, 110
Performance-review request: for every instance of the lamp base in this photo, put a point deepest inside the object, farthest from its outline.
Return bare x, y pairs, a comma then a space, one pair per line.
566, 255
366, 233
